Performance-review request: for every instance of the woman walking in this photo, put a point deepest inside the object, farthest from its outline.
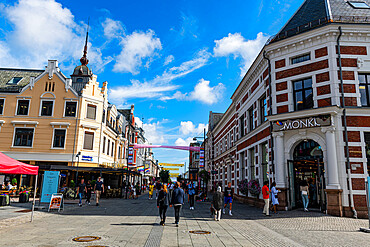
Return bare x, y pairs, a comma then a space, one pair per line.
305, 193
217, 203
274, 198
163, 201
88, 192
151, 189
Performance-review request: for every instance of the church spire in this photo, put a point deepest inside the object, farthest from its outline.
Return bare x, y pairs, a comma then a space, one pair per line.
84, 60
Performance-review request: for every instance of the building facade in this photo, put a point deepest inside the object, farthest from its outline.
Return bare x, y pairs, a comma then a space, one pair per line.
301, 112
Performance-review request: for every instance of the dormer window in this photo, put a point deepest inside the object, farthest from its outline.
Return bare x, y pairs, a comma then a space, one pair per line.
359, 4
14, 80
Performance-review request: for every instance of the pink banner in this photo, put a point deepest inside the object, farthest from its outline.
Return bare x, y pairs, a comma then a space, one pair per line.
186, 148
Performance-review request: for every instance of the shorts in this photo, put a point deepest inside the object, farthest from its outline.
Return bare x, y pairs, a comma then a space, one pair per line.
228, 199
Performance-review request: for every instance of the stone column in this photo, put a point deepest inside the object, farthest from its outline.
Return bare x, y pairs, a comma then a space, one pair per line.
279, 156
331, 157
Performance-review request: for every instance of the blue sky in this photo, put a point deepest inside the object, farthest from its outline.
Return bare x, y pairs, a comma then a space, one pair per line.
175, 60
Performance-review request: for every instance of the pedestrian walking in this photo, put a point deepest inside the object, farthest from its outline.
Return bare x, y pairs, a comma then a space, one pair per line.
305, 193
98, 188
177, 200
162, 203
217, 203
228, 198
157, 189
274, 199
81, 189
266, 198
151, 190
88, 191
191, 195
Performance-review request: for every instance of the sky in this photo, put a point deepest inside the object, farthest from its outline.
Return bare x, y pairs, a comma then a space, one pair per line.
174, 60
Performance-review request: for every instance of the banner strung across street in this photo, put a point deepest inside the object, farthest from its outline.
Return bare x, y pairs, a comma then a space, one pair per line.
170, 169
186, 148
169, 164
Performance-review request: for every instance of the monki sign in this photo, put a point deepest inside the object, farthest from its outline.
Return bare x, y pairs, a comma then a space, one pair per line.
301, 123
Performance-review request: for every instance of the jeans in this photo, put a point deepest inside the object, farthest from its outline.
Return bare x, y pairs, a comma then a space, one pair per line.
80, 195
177, 213
266, 208
162, 212
305, 201
191, 200
88, 196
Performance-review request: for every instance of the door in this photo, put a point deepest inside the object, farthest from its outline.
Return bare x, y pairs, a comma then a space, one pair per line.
291, 185
321, 186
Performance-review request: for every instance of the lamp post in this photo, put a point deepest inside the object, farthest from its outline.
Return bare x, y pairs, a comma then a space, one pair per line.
78, 162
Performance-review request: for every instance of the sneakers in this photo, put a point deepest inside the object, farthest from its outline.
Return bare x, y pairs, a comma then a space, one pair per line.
80, 205
191, 208
230, 213
223, 211
97, 204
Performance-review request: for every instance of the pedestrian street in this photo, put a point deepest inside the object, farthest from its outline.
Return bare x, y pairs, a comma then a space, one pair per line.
120, 222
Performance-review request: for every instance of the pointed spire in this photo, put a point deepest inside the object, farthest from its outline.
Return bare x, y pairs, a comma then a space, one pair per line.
84, 60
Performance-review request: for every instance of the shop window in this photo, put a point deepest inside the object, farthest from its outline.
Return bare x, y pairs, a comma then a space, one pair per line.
264, 160
364, 87
241, 126
367, 146
23, 137
70, 109
2, 101
300, 59
23, 106
89, 141
303, 96
91, 112
47, 107
263, 109
59, 138
251, 119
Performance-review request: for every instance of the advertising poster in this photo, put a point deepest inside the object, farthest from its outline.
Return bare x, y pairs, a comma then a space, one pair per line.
201, 158
56, 201
50, 185
130, 155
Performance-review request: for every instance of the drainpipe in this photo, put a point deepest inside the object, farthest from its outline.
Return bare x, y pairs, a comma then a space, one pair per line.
270, 111
74, 141
348, 167
101, 128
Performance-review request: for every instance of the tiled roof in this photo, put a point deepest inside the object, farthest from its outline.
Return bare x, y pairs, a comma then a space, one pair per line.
7, 74
316, 13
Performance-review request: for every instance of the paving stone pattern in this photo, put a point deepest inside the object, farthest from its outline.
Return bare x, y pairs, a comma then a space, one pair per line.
121, 222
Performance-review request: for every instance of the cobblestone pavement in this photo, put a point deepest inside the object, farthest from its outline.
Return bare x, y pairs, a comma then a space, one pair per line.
122, 222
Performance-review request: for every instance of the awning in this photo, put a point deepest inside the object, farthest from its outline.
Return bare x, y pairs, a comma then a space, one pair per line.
85, 169
11, 166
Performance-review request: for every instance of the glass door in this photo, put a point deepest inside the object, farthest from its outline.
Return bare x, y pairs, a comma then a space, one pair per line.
291, 184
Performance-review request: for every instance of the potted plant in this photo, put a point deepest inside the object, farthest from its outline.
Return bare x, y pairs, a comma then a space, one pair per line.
254, 187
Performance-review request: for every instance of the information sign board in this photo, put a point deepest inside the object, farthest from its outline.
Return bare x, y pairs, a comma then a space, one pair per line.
56, 201
50, 185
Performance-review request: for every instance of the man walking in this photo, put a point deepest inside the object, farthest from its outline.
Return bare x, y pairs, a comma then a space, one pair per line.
228, 198
81, 189
266, 198
99, 188
177, 200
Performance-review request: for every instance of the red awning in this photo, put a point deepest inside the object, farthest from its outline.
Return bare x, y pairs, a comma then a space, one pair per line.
12, 166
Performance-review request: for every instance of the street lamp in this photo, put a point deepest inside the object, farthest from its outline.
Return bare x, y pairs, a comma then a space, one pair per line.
78, 162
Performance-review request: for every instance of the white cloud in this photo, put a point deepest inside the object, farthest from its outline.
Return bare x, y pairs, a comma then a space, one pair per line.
154, 133
113, 29
169, 59
139, 122
42, 30
135, 48
202, 92
189, 128
161, 84
182, 142
235, 44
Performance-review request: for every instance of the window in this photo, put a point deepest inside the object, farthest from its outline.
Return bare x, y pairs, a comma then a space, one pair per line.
241, 124
104, 140
23, 137
112, 153
364, 89
103, 118
14, 80
89, 141
23, 106
367, 148
108, 147
119, 152
91, 112
47, 107
251, 119
265, 160
2, 106
49, 86
359, 4
263, 109
252, 160
70, 110
300, 59
59, 138
303, 98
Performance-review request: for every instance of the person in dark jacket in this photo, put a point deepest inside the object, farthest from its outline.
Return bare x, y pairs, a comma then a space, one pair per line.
177, 200
163, 201
217, 203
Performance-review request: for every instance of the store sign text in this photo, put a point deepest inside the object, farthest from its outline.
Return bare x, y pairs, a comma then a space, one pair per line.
302, 123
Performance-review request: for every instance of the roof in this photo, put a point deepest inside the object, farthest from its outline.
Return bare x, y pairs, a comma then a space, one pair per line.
316, 13
6, 74
126, 113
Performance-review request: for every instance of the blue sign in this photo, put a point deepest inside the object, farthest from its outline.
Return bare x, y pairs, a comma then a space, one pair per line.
87, 158
50, 185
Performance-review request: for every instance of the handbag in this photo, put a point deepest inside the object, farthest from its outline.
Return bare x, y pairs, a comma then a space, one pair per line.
304, 193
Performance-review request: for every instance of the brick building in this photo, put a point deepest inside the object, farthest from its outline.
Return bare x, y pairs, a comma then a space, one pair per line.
301, 112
